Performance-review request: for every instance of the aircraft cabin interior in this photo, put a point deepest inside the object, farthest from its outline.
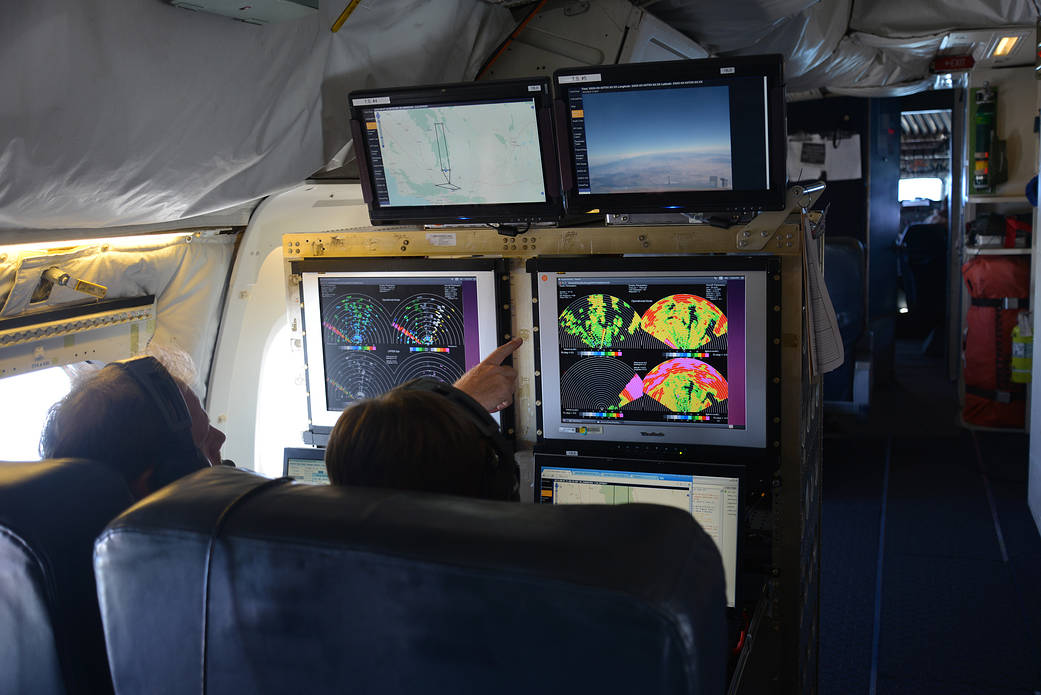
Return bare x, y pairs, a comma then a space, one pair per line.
520, 346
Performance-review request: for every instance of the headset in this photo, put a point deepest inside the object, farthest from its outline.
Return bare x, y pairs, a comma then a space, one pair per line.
503, 483
162, 391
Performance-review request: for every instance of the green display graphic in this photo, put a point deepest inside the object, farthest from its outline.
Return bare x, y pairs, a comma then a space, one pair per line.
599, 321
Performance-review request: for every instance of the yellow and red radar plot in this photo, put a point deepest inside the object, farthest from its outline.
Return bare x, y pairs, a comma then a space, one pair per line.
684, 321
685, 385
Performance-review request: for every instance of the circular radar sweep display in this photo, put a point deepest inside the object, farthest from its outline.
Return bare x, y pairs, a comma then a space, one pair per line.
355, 319
596, 383
426, 319
355, 376
685, 385
684, 321
599, 321
430, 364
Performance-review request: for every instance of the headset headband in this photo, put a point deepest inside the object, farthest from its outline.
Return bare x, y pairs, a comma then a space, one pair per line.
155, 381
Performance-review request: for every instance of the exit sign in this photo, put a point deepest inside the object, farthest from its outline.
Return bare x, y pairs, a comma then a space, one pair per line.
942, 64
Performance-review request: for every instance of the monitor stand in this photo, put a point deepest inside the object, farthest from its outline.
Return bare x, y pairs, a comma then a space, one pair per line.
716, 219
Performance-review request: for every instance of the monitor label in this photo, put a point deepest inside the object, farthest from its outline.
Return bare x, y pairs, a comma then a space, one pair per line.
441, 238
573, 79
371, 101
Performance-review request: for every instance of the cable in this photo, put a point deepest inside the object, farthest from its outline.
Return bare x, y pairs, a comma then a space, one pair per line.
221, 520
510, 230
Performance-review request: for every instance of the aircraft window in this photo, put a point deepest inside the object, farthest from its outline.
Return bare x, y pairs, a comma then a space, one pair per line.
27, 398
281, 405
911, 189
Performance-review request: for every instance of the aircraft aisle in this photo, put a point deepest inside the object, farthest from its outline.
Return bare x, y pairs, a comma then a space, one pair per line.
952, 601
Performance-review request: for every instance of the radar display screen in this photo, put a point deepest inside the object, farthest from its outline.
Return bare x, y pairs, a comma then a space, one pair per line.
379, 332
661, 350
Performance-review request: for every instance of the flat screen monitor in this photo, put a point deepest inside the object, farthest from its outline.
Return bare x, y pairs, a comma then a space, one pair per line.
678, 136
458, 153
371, 325
305, 465
713, 499
659, 352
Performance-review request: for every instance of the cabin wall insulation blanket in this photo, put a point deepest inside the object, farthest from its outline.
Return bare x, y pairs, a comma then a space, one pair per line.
844, 46
126, 112
186, 273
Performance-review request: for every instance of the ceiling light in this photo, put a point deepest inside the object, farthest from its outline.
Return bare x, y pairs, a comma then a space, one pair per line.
1005, 46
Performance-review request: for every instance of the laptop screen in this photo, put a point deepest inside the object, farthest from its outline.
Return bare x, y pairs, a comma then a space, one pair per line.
305, 465
711, 500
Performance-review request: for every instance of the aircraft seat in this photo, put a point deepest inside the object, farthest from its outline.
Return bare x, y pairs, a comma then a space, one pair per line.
323, 589
51, 639
922, 266
848, 388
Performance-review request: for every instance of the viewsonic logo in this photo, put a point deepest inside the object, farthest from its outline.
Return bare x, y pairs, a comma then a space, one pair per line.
652, 434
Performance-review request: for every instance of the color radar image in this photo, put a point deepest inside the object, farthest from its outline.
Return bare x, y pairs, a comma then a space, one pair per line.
650, 350
378, 333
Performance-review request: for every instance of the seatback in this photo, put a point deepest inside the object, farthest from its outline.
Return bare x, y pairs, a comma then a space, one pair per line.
844, 276
923, 269
50, 629
323, 589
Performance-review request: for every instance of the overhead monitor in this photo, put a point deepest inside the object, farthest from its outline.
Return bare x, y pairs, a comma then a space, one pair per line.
458, 153
710, 494
371, 325
678, 136
671, 353
305, 465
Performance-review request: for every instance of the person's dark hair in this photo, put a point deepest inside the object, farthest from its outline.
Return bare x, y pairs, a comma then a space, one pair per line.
409, 440
108, 418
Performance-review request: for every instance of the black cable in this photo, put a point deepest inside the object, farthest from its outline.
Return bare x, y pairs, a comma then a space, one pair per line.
221, 520
509, 230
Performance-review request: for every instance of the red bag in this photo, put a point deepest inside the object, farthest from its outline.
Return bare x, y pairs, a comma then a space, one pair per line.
999, 287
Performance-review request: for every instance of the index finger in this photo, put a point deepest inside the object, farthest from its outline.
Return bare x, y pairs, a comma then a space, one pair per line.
500, 353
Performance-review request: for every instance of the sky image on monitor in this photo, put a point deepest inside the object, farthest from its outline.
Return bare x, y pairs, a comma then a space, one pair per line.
658, 140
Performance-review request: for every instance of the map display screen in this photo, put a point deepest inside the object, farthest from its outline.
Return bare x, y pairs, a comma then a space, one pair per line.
458, 154
464, 153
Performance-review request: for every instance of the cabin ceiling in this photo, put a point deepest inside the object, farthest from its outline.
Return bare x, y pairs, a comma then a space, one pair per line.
139, 113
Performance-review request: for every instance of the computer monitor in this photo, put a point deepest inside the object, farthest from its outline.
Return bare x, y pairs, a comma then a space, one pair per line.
458, 153
373, 324
664, 355
678, 136
711, 494
305, 465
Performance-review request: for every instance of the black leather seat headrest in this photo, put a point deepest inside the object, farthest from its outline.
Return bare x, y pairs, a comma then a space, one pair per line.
316, 589
50, 629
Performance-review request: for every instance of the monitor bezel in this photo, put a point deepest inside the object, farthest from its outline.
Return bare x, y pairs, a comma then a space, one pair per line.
550, 210
629, 440
769, 66
492, 288
650, 465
